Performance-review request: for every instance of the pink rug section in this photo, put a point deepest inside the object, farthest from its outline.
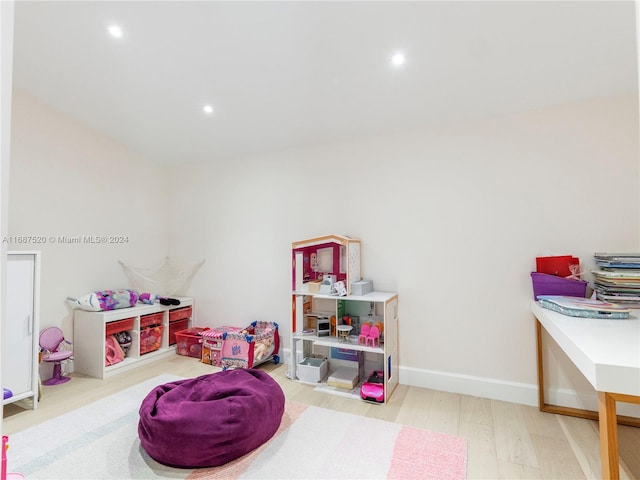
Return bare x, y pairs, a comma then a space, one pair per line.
420, 454
237, 467
417, 454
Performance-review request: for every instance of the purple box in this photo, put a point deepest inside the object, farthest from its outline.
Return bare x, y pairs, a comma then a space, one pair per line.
545, 284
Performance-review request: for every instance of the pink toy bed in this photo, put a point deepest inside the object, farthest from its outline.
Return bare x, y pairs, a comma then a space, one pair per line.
256, 344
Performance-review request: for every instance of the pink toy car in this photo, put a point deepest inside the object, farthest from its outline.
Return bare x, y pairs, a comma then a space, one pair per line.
373, 388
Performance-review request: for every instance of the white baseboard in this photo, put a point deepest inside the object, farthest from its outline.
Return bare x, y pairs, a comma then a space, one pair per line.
522, 393
515, 392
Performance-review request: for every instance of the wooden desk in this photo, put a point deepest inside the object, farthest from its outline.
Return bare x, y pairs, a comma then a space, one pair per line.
607, 352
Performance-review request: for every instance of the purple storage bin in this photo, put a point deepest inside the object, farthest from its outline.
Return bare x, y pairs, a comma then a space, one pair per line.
545, 284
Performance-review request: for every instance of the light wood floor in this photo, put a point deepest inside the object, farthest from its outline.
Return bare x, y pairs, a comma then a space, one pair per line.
505, 440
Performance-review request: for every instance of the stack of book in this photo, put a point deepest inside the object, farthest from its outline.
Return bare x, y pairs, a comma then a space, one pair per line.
618, 280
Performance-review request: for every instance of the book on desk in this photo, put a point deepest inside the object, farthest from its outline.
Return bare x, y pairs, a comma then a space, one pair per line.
583, 307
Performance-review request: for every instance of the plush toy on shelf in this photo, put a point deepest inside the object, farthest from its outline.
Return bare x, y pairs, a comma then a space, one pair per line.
150, 299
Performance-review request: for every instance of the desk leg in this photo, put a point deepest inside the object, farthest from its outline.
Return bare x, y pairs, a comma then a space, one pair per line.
608, 436
541, 402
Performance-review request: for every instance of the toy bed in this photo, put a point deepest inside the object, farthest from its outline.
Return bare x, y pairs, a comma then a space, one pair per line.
256, 344
233, 347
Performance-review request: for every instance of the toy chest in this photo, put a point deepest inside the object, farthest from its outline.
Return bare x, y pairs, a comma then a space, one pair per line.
212, 341
312, 369
189, 342
545, 284
250, 347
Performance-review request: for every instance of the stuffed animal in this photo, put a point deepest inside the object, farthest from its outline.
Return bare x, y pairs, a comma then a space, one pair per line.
151, 298
105, 300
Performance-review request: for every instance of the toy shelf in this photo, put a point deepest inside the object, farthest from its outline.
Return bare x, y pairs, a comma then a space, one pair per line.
90, 329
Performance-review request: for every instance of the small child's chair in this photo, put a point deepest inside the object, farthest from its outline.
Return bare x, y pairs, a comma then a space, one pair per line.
55, 349
364, 332
374, 335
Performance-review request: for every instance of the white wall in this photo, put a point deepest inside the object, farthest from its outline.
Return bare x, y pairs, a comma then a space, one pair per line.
67, 180
450, 218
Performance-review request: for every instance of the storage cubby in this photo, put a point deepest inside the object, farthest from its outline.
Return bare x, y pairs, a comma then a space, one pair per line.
152, 329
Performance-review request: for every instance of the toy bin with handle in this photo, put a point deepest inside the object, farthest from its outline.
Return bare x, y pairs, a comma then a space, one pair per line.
545, 284
189, 342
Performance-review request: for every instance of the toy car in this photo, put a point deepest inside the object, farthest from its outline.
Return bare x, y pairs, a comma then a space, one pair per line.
373, 388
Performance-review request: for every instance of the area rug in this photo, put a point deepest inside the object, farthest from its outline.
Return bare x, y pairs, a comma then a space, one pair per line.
100, 441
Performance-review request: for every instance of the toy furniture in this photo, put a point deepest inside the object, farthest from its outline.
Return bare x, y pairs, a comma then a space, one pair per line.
55, 349
607, 353
373, 336
256, 344
20, 327
210, 420
338, 257
343, 332
152, 329
364, 333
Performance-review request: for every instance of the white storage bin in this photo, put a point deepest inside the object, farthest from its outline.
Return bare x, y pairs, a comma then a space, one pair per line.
362, 287
312, 369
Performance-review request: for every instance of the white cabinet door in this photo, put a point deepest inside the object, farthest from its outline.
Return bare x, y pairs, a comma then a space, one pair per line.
20, 334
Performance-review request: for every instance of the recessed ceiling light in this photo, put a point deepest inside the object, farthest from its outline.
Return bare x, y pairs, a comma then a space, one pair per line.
398, 59
208, 109
115, 31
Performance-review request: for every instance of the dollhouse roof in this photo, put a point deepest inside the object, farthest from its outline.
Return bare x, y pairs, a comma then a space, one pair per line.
338, 239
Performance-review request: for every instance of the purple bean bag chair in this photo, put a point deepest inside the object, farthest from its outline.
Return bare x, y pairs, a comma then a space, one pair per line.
210, 420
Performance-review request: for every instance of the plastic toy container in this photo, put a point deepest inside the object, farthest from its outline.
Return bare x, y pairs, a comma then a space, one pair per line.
189, 342
545, 284
176, 327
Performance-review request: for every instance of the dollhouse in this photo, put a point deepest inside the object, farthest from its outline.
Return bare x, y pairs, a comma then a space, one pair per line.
331, 311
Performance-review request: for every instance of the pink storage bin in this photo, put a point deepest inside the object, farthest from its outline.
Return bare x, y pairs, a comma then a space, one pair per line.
545, 284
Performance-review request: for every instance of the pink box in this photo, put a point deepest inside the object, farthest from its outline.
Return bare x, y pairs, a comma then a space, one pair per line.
545, 284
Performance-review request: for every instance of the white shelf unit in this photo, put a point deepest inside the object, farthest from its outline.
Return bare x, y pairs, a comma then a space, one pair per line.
89, 333
373, 307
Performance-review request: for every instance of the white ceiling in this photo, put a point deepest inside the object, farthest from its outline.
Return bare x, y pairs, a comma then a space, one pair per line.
286, 74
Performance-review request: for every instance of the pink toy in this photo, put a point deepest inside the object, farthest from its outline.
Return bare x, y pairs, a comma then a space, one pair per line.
5, 475
374, 335
256, 344
55, 349
373, 388
364, 333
